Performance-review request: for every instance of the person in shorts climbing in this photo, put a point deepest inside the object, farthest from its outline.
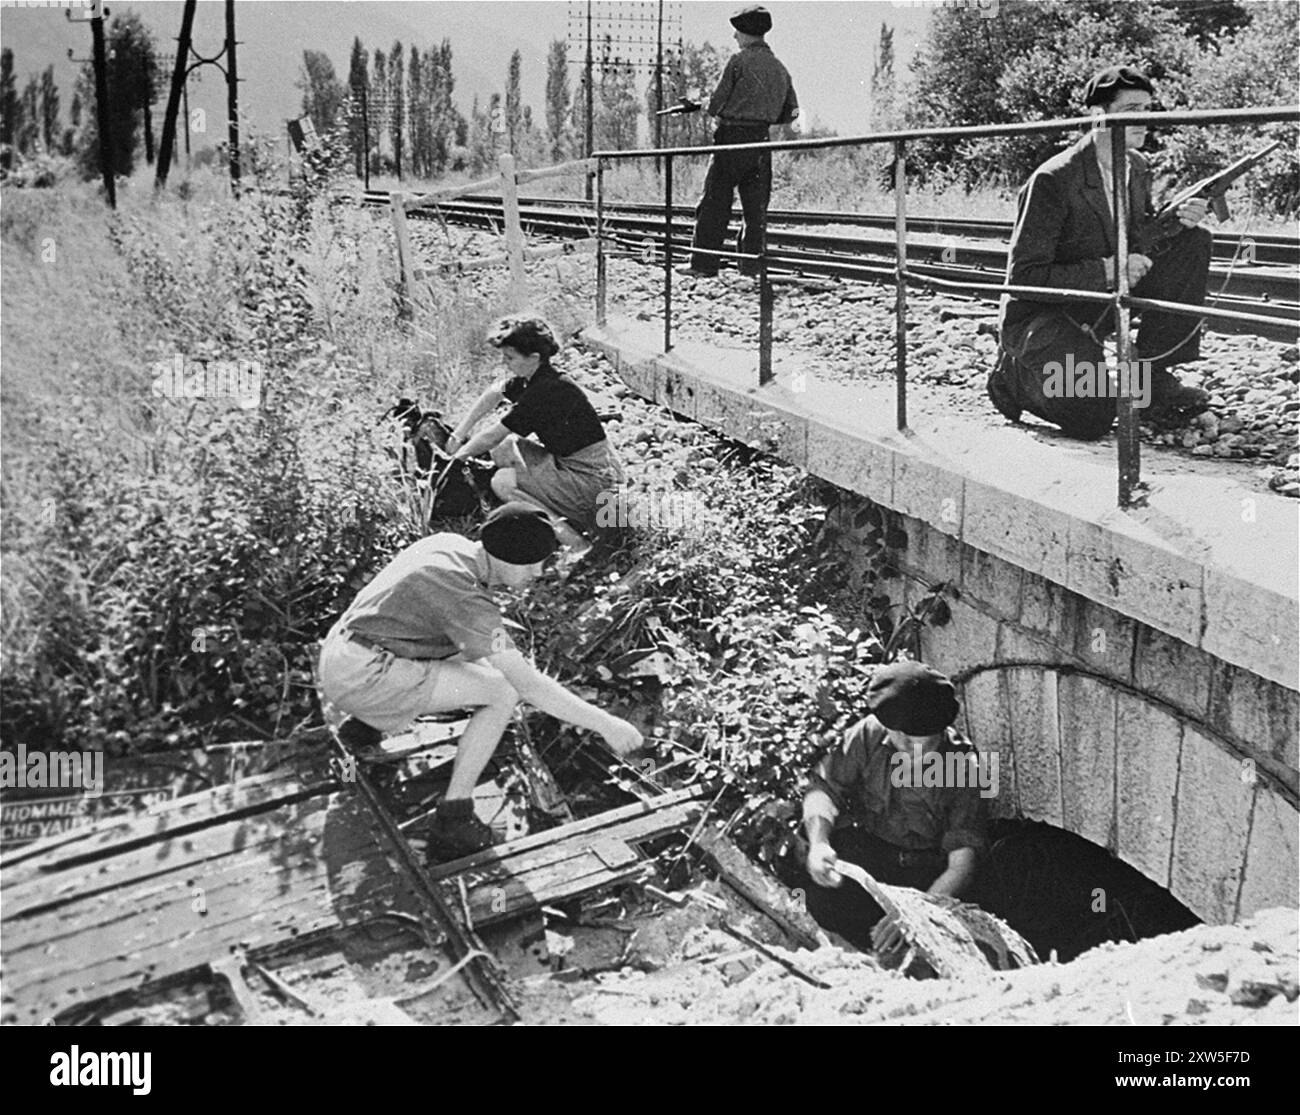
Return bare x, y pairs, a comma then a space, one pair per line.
570, 462
868, 804
424, 636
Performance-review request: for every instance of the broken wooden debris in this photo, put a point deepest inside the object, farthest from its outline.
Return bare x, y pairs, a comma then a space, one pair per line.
933, 928
757, 887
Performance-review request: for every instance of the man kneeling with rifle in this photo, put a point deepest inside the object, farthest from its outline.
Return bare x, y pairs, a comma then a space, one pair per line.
1065, 238
424, 636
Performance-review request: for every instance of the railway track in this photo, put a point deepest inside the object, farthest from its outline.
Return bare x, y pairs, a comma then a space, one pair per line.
1263, 279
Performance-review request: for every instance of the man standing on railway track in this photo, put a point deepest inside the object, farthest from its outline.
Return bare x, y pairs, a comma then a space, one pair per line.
1051, 361
754, 93
424, 636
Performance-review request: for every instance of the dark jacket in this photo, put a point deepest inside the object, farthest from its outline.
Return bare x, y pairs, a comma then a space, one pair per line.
1064, 227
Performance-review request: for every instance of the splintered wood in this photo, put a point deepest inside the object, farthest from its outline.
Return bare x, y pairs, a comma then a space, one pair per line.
943, 933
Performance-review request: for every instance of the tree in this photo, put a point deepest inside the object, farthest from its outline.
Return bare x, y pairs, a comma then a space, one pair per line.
358, 82
883, 93
415, 113
1030, 63
443, 114
1210, 22
557, 99
322, 93
695, 74
379, 110
50, 134
29, 129
9, 107
514, 102
396, 119
131, 64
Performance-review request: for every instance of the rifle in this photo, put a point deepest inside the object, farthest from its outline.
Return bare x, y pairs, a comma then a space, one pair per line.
1214, 188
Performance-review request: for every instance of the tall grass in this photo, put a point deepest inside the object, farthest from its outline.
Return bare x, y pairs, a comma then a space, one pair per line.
170, 562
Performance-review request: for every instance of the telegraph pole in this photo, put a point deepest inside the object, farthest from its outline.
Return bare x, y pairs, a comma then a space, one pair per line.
101, 105
590, 95
232, 96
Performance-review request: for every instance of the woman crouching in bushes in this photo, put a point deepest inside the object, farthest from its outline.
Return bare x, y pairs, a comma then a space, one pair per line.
571, 462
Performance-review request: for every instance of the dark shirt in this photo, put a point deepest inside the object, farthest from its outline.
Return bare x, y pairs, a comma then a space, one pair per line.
857, 777
755, 89
428, 602
550, 405
1065, 227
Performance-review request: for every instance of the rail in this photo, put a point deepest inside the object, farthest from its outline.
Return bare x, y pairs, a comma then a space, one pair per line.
1121, 299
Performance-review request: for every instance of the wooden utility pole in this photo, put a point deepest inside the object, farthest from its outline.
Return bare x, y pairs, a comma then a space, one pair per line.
101, 106
590, 95
179, 74
232, 96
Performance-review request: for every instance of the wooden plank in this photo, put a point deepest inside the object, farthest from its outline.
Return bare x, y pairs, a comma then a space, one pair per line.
256, 897
628, 832
757, 887
563, 832
560, 170
259, 793
189, 851
106, 922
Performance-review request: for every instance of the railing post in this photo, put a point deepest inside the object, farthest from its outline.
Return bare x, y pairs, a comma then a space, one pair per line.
514, 228
668, 253
405, 260
1130, 461
764, 318
900, 290
601, 281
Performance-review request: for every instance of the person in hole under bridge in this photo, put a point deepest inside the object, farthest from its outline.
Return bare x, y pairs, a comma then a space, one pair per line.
569, 466
424, 636
1064, 237
754, 92
867, 804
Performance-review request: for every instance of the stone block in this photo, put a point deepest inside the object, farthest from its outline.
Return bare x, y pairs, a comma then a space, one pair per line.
984, 701
1147, 743
1045, 607
1252, 626
1123, 565
1087, 716
1253, 711
969, 638
930, 554
763, 421
641, 374
990, 582
851, 461
927, 491
1271, 855
1210, 828
1172, 670
1015, 645
1102, 639
1035, 739
1033, 536
676, 389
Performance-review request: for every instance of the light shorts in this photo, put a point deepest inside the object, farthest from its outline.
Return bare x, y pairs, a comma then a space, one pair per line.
386, 691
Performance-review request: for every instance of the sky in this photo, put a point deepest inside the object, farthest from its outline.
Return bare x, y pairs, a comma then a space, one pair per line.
827, 46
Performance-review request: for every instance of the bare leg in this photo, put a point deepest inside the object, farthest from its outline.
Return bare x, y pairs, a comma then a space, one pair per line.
476, 684
504, 483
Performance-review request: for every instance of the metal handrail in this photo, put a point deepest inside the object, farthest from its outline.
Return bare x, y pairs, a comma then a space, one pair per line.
1122, 301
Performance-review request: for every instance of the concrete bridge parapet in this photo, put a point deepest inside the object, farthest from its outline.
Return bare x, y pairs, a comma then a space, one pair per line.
1136, 671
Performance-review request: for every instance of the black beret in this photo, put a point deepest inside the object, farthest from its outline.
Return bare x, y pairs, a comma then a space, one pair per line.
1104, 87
519, 534
912, 698
754, 20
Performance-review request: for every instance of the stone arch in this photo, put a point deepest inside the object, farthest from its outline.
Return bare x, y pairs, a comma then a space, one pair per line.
1129, 772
